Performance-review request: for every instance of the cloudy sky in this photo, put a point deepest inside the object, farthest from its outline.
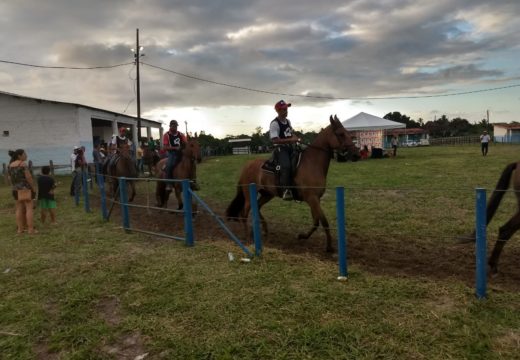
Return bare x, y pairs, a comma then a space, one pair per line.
325, 57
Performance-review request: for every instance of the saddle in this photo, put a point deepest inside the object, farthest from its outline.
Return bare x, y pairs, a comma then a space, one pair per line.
272, 166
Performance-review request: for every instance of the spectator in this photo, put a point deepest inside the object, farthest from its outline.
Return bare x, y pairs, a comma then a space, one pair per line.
395, 143
364, 153
139, 158
484, 142
22, 181
46, 200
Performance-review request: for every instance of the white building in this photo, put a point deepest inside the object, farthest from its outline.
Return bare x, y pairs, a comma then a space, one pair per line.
49, 130
506, 133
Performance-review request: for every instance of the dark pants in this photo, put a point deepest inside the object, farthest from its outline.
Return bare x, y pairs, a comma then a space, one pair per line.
170, 164
395, 149
484, 147
75, 185
284, 154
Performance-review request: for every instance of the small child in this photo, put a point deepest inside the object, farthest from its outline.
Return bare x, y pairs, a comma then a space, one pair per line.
46, 201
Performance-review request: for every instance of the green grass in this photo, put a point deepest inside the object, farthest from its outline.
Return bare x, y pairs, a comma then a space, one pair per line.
88, 290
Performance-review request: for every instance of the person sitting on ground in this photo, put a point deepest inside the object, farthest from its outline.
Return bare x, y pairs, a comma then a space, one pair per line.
21, 179
173, 142
364, 152
46, 200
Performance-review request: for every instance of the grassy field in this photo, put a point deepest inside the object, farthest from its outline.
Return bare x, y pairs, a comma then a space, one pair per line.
87, 290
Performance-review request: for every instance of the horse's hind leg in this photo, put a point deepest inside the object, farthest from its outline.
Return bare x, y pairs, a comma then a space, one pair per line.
264, 199
504, 234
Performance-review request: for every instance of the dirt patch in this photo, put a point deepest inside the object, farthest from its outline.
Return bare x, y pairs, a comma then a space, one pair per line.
108, 308
406, 256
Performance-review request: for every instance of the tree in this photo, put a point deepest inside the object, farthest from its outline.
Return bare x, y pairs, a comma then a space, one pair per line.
403, 119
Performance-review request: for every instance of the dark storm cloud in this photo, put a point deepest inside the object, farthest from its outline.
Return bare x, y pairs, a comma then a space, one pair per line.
337, 48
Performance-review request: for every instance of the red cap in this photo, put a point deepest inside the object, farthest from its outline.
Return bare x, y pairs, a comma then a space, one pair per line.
281, 105
121, 129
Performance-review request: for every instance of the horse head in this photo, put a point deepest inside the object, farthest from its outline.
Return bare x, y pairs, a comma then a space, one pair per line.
192, 150
342, 141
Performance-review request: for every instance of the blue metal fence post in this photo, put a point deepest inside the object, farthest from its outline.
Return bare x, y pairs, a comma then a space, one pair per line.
85, 191
123, 196
342, 237
480, 244
101, 185
253, 196
188, 221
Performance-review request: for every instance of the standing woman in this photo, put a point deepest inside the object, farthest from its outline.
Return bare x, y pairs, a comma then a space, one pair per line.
21, 178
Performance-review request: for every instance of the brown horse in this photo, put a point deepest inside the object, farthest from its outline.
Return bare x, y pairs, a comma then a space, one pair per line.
124, 166
150, 159
309, 180
186, 168
507, 230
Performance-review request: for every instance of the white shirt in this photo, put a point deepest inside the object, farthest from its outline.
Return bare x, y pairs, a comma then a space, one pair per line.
485, 138
72, 161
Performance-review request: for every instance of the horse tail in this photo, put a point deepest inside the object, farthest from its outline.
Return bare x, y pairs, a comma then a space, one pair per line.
498, 193
236, 206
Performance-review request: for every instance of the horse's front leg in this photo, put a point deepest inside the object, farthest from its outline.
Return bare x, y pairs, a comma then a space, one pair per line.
504, 234
317, 217
132, 191
178, 195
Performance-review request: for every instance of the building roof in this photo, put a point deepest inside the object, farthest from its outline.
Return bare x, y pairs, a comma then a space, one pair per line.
75, 104
364, 121
512, 126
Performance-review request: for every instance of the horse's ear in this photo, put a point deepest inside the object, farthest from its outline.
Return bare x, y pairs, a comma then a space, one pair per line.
331, 120
336, 118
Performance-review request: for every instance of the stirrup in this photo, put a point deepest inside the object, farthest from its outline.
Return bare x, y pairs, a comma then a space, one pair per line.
287, 195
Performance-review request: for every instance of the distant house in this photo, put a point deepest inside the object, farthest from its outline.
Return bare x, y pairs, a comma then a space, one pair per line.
241, 146
49, 130
506, 133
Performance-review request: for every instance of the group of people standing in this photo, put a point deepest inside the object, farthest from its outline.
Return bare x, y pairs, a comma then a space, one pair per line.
22, 182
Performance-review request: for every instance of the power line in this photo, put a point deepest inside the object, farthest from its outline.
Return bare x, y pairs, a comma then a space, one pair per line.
330, 97
266, 91
65, 67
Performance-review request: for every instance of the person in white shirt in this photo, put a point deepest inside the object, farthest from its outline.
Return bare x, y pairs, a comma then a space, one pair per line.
484, 142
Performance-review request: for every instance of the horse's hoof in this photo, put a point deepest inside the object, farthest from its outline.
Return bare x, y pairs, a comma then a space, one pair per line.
330, 250
302, 236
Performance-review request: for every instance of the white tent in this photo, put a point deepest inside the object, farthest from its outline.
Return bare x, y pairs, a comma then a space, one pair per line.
367, 122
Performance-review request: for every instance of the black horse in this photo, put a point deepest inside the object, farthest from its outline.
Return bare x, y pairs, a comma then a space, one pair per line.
506, 231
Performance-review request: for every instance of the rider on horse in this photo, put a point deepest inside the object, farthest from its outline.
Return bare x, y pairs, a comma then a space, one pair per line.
173, 142
116, 144
283, 137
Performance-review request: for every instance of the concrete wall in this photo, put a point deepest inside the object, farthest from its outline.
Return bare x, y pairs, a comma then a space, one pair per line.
45, 130
49, 130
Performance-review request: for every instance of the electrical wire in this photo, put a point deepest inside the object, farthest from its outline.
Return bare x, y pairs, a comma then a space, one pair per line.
65, 67
329, 97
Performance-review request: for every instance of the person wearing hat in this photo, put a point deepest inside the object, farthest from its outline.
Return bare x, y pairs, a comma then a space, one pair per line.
283, 137
484, 142
173, 142
120, 140
117, 141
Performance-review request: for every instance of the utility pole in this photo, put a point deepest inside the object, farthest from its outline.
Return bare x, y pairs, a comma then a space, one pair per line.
186, 123
136, 54
487, 116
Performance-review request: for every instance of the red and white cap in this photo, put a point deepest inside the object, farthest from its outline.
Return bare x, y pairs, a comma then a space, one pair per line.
281, 105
